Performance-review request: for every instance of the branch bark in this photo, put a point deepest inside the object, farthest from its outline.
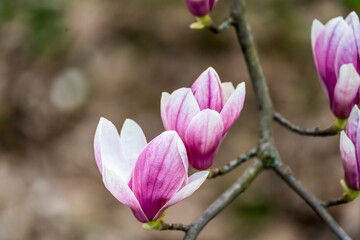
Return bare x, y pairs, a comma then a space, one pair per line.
215, 172
225, 199
284, 172
314, 132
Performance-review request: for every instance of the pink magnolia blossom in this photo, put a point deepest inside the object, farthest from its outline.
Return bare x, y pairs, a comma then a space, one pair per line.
200, 8
334, 44
148, 178
202, 115
350, 150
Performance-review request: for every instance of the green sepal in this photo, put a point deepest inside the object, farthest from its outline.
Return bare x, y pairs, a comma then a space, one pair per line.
340, 123
152, 225
202, 22
349, 193
156, 224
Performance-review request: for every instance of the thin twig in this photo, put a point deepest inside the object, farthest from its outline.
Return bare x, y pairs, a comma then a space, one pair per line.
225, 199
285, 173
173, 226
220, 28
215, 172
314, 132
335, 202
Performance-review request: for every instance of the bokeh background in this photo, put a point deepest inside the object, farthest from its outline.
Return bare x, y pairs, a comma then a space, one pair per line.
63, 64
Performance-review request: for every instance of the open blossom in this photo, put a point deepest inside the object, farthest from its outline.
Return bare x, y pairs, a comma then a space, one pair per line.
334, 44
350, 150
202, 115
200, 8
148, 178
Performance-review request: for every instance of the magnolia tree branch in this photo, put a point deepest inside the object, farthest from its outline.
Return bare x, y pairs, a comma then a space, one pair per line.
284, 172
215, 172
220, 28
225, 199
267, 155
267, 151
173, 226
314, 132
335, 202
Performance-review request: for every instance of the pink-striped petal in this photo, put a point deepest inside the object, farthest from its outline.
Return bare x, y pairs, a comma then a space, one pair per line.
203, 137
132, 140
163, 102
180, 109
119, 188
232, 108
349, 162
208, 91
324, 51
316, 29
347, 52
353, 20
228, 90
195, 181
159, 173
346, 93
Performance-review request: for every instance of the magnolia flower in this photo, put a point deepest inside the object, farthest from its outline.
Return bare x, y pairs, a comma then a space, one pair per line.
335, 44
350, 150
200, 8
202, 115
148, 178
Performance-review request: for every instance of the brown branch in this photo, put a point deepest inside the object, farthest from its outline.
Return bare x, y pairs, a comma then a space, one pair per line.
220, 28
314, 132
225, 199
335, 202
285, 173
215, 172
173, 226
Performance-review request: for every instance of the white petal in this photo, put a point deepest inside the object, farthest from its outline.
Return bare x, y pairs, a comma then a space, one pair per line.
133, 141
228, 89
232, 108
107, 143
163, 102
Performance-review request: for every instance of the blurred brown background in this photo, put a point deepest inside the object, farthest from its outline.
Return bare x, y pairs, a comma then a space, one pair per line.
63, 64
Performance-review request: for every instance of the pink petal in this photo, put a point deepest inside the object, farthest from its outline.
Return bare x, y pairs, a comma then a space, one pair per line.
232, 108
353, 20
346, 93
324, 51
163, 102
353, 123
347, 51
108, 149
119, 188
195, 181
228, 90
200, 8
349, 162
159, 173
180, 109
316, 29
132, 141
208, 91
203, 137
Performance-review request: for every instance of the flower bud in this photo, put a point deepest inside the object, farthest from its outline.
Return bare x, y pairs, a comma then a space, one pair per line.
200, 8
202, 115
350, 150
335, 44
